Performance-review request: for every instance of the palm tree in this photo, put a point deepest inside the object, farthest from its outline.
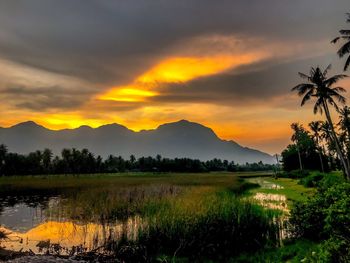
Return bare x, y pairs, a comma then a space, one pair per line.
344, 122
344, 125
326, 135
345, 48
295, 138
321, 88
315, 127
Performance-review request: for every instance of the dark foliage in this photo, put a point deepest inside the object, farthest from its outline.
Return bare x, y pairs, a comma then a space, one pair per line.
73, 161
310, 158
325, 218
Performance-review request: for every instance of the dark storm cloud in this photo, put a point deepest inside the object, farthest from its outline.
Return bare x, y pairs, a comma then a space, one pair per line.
114, 41
44, 98
251, 83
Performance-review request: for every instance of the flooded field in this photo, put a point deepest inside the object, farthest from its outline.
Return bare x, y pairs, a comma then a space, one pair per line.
270, 200
275, 201
65, 218
70, 215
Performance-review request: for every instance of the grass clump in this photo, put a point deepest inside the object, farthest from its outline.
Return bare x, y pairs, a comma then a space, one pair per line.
207, 224
296, 251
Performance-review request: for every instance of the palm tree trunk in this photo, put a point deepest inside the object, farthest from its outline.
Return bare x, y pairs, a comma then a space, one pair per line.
299, 156
321, 161
336, 141
319, 153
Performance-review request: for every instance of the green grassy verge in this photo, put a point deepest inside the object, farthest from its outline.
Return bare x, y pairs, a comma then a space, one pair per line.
290, 188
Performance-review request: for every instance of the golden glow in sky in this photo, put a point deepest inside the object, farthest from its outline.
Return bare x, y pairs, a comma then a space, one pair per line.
142, 64
135, 104
177, 69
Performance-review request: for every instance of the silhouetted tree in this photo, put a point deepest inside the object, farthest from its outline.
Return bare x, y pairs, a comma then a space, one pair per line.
345, 48
315, 127
320, 87
74, 161
47, 158
296, 138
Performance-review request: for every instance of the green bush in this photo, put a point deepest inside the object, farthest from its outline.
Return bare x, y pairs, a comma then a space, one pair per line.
295, 174
293, 251
326, 218
312, 180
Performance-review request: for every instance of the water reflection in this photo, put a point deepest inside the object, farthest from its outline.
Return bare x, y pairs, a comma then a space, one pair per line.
63, 237
274, 201
76, 220
264, 184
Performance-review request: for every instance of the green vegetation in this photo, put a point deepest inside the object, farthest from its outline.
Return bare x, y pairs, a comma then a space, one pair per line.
189, 216
325, 218
119, 180
291, 188
293, 251
208, 224
73, 161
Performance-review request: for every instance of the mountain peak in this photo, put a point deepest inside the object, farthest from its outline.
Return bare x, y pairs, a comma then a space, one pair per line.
188, 128
27, 124
84, 127
113, 127
182, 138
182, 123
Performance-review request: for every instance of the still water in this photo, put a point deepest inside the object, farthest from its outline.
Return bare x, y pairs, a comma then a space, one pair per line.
86, 217
74, 220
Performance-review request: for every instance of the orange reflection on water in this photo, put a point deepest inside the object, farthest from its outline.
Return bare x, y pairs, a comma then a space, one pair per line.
68, 234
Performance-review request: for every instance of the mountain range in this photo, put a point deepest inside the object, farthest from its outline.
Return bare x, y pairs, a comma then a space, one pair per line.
176, 139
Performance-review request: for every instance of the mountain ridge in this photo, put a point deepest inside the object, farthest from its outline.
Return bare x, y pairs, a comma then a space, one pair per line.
175, 139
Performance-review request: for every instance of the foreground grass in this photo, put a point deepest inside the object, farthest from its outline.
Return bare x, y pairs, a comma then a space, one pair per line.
203, 223
118, 180
196, 216
293, 252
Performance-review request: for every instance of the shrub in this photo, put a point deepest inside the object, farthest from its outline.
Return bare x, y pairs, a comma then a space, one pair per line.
295, 174
312, 180
326, 218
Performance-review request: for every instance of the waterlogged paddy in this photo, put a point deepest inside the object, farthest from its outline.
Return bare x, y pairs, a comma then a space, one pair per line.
271, 198
66, 214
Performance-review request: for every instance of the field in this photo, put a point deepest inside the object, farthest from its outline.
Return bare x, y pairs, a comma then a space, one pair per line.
134, 215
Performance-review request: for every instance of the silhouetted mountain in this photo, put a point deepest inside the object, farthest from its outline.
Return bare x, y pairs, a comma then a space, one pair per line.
177, 139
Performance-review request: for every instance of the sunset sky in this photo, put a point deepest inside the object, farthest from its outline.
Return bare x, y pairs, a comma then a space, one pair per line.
229, 65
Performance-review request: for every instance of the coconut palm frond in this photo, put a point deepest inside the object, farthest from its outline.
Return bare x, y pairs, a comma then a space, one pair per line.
335, 40
334, 79
307, 97
339, 89
318, 107
325, 72
347, 63
304, 76
303, 88
345, 49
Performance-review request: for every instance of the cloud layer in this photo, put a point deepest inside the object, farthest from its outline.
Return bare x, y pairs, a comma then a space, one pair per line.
60, 58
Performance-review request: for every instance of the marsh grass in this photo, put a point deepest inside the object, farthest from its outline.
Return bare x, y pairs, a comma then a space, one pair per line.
203, 223
195, 216
112, 204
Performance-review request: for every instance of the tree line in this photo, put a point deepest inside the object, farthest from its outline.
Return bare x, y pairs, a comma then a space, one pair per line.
74, 161
327, 144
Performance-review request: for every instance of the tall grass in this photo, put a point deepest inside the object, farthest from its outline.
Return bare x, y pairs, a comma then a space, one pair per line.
192, 216
203, 223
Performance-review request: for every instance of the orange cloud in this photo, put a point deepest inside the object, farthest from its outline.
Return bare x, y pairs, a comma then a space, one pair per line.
177, 69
